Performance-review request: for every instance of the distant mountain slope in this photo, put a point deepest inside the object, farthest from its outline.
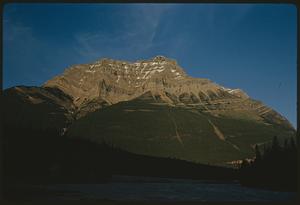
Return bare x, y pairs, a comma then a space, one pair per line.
147, 125
147, 107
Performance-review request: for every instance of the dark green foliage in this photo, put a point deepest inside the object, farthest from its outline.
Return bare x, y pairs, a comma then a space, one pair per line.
276, 168
275, 145
257, 154
145, 127
293, 144
33, 156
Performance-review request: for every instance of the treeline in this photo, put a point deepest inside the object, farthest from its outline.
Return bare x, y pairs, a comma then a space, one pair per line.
274, 166
43, 156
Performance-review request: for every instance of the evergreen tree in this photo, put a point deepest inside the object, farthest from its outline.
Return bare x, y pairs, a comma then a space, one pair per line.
266, 151
275, 144
293, 144
286, 144
277, 168
258, 156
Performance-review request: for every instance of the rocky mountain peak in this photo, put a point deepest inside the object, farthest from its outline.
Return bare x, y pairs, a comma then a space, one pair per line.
161, 58
116, 80
146, 68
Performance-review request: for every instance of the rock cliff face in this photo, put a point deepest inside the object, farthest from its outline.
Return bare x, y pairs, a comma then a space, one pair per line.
117, 81
107, 82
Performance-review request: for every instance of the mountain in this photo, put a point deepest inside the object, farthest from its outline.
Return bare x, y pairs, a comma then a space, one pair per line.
149, 107
36, 107
110, 81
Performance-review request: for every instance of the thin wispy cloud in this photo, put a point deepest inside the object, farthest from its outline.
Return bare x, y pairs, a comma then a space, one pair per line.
136, 37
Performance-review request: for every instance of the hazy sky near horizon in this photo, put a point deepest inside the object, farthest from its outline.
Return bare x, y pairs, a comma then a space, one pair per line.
247, 46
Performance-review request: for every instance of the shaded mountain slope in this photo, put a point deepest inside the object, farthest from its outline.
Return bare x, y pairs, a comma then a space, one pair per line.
148, 125
35, 107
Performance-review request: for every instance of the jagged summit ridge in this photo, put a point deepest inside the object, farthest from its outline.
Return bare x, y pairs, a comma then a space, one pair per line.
140, 69
121, 80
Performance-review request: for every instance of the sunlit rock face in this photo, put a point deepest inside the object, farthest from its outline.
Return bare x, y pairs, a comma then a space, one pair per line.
109, 81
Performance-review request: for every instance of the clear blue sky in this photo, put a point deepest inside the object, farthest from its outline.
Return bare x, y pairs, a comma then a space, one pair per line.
247, 46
